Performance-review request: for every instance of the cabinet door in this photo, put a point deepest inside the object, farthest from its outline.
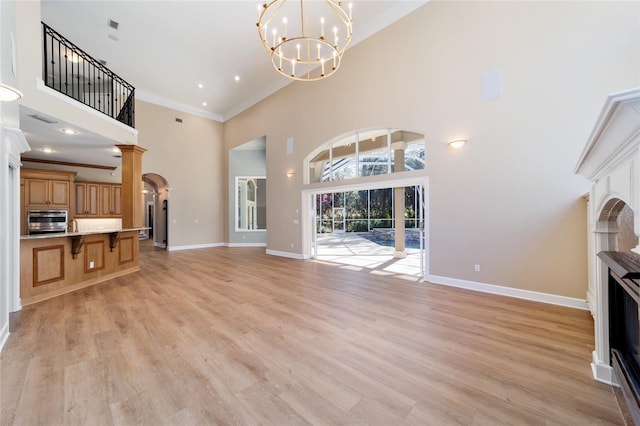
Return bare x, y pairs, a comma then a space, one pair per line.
105, 200
59, 194
36, 192
116, 200
93, 199
81, 199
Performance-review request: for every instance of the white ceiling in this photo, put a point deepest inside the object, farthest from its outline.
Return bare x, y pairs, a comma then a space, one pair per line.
166, 48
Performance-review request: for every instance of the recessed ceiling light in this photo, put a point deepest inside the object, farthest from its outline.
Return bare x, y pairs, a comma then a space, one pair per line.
204, 104
237, 78
200, 85
115, 149
47, 150
69, 131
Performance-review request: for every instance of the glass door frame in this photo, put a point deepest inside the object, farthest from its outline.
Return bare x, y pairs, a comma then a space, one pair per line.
310, 211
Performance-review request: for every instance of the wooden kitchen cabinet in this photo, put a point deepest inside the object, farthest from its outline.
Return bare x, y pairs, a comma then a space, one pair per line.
87, 200
47, 194
110, 200
45, 189
97, 199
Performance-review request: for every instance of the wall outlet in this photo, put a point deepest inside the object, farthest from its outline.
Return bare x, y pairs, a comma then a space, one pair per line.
476, 267
92, 265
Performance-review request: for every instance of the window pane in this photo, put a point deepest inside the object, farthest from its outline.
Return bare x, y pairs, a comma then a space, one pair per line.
414, 155
413, 150
343, 155
374, 153
319, 167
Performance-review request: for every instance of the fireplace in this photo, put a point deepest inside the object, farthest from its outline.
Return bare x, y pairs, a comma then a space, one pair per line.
611, 162
624, 324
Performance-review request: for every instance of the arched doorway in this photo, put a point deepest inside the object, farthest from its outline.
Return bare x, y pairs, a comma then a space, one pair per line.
156, 209
615, 223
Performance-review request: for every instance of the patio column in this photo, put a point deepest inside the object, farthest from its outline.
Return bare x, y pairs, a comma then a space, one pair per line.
398, 195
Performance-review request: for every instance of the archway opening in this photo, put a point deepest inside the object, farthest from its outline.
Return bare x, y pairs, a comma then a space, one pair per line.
155, 211
616, 222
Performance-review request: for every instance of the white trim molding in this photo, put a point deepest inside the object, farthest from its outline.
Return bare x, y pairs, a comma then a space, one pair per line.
518, 293
285, 254
12, 144
177, 106
601, 370
246, 244
194, 246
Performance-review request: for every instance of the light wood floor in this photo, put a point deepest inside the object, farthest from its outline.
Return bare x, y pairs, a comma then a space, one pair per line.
233, 336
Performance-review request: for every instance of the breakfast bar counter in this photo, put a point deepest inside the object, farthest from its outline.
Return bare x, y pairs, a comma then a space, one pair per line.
58, 263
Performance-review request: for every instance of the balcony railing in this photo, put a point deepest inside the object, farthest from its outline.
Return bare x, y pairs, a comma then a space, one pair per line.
71, 71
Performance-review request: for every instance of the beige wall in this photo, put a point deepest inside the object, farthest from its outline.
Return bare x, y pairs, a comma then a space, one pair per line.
509, 200
189, 155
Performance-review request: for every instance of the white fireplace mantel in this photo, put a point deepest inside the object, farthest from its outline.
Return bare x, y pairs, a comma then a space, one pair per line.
611, 162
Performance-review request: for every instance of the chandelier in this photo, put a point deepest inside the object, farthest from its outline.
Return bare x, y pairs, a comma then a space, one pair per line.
305, 39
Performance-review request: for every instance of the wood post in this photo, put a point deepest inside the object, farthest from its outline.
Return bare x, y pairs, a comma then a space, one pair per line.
131, 185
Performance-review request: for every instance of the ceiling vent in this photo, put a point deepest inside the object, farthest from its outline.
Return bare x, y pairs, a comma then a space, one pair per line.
43, 119
113, 24
103, 62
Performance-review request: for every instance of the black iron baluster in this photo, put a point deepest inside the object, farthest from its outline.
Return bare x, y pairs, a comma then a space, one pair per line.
91, 83
59, 70
44, 49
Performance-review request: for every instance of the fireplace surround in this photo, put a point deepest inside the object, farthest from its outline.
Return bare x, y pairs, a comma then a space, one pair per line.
611, 162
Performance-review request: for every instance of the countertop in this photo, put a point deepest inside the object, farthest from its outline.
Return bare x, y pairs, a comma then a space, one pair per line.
77, 234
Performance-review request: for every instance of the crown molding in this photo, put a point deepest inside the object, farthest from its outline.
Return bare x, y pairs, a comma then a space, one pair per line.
168, 103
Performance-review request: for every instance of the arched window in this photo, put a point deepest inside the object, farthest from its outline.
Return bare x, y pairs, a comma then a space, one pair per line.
367, 153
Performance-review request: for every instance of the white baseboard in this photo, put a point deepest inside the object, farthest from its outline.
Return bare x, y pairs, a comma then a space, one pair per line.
161, 245
4, 334
602, 372
518, 293
285, 254
246, 244
194, 246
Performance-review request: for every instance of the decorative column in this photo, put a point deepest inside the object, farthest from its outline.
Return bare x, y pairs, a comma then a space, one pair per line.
131, 185
398, 196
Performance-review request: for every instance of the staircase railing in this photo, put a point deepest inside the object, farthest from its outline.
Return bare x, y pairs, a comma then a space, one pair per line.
71, 71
